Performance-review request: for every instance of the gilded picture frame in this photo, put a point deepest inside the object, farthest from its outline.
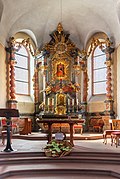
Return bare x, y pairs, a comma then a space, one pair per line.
60, 69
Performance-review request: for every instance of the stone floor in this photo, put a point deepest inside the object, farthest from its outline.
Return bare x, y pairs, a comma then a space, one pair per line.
25, 143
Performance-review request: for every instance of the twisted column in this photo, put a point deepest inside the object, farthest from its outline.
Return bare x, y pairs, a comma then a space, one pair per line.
85, 86
12, 80
109, 81
83, 64
36, 86
12, 103
109, 101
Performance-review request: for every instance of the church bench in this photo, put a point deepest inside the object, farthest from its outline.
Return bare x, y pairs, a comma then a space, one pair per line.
107, 133
115, 136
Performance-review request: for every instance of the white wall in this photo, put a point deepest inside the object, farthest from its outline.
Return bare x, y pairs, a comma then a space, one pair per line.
3, 82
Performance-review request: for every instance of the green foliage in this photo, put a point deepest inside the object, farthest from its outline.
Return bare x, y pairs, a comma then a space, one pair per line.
57, 148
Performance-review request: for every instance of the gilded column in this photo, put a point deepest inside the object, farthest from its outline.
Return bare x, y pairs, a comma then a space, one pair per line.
83, 64
36, 90
85, 86
109, 101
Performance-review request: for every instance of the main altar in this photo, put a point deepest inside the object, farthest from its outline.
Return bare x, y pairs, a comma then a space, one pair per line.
58, 79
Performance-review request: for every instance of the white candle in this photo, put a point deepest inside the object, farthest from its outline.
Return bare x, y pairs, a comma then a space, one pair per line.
78, 60
77, 101
68, 101
48, 101
72, 101
52, 101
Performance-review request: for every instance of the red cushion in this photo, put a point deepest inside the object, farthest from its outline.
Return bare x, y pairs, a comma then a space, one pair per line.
3, 122
77, 126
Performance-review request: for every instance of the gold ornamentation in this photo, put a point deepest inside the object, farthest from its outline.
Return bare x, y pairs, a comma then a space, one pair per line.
59, 28
60, 43
60, 68
101, 44
108, 63
60, 103
60, 48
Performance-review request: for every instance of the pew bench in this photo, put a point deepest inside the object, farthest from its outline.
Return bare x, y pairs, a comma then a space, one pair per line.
107, 133
115, 136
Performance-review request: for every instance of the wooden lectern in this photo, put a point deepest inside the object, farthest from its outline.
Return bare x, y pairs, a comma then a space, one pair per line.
8, 113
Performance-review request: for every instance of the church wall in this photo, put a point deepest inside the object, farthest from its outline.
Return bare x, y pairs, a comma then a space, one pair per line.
26, 107
3, 82
25, 104
96, 104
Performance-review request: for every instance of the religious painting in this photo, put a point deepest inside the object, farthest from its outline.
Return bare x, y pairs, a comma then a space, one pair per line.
60, 70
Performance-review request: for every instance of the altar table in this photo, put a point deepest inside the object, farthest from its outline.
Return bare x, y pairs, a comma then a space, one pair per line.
71, 123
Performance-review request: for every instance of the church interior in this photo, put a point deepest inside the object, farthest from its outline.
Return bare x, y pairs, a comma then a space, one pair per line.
59, 79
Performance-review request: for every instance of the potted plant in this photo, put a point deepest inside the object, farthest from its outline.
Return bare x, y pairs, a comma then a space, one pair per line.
58, 148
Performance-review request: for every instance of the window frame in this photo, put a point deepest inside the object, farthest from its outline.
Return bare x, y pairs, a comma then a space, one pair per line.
28, 69
93, 88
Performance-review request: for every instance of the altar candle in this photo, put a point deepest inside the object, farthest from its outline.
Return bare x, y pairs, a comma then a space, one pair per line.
78, 60
48, 101
52, 101
72, 102
68, 101
77, 101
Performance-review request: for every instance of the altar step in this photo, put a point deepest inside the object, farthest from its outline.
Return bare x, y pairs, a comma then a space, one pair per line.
43, 136
23, 165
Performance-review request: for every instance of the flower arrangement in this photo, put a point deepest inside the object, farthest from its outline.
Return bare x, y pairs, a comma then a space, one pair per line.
58, 148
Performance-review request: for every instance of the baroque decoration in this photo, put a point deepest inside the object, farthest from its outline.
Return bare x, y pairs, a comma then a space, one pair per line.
60, 67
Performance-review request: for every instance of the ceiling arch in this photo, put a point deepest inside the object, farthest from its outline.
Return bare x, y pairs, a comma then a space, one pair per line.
82, 18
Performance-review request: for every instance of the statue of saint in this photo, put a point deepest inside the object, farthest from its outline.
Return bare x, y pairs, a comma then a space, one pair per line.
60, 102
61, 98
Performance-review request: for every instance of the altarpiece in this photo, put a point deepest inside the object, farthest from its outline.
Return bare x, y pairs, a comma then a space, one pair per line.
59, 79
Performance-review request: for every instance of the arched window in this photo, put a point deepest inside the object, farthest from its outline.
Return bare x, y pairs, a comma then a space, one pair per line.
22, 71
98, 72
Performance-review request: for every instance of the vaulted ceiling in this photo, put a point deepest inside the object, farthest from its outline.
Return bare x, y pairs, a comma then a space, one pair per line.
38, 18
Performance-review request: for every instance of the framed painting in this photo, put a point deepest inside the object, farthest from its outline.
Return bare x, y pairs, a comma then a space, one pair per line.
60, 69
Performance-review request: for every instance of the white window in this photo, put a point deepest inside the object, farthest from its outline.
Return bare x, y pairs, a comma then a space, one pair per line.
22, 72
99, 72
